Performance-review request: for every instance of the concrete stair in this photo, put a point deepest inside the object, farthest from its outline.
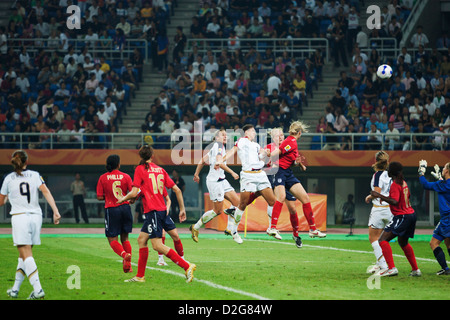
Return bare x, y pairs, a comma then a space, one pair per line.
5, 12
152, 80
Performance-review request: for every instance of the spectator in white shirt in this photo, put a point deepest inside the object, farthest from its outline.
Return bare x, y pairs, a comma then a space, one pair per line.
430, 106
167, 126
419, 38
101, 92
103, 115
392, 139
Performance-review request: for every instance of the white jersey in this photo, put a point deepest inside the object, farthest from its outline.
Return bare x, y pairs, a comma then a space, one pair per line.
248, 152
215, 175
382, 180
23, 191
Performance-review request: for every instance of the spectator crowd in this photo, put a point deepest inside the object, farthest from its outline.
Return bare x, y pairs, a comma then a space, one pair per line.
50, 83
64, 81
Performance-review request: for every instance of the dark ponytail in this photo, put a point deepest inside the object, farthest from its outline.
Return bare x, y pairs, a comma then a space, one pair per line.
112, 162
19, 160
146, 153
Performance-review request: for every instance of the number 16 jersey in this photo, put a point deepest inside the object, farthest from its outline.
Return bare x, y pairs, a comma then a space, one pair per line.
152, 181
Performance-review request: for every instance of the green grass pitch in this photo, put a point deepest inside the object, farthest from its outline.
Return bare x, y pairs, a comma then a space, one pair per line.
260, 268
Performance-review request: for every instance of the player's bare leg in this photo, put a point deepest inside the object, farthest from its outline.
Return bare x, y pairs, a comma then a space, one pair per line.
300, 193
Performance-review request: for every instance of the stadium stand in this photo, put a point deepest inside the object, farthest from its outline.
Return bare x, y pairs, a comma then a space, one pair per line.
56, 79
221, 68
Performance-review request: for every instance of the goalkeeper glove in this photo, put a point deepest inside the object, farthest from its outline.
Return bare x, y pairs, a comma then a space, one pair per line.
437, 172
422, 167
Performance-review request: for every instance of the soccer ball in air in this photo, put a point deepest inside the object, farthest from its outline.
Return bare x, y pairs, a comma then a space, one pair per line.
384, 71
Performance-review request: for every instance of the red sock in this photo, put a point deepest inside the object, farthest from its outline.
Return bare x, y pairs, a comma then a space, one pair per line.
409, 253
178, 247
387, 253
117, 248
276, 214
172, 255
294, 223
307, 211
142, 262
163, 239
252, 197
126, 246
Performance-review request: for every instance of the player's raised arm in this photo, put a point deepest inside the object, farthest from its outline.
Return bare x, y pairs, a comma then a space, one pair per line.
228, 156
223, 166
51, 201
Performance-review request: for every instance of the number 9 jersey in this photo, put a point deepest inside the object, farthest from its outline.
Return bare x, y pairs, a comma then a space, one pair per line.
152, 179
23, 191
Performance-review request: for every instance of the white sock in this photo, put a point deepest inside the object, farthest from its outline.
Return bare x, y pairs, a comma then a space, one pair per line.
20, 275
231, 224
237, 217
269, 213
206, 217
32, 273
379, 255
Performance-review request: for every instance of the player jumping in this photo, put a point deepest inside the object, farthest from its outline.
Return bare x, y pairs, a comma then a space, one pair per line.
253, 177
287, 153
218, 186
442, 230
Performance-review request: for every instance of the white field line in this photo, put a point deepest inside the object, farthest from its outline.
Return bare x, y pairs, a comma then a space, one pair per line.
339, 249
208, 283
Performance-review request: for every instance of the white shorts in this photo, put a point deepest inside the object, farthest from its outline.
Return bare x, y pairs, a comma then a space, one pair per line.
217, 189
380, 217
26, 228
253, 182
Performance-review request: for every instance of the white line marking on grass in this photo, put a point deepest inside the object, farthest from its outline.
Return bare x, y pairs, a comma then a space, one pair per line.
338, 249
208, 283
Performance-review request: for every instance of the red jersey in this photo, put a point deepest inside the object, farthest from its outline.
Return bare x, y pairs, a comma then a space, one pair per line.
152, 181
289, 152
401, 194
113, 185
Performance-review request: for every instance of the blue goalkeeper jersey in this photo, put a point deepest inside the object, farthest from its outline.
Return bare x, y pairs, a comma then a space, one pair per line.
442, 187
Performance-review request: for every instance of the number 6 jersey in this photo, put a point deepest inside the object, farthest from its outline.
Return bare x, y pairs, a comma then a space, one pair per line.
113, 185
23, 191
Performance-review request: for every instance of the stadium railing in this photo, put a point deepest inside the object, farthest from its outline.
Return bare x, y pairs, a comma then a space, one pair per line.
302, 47
184, 139
107, 49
